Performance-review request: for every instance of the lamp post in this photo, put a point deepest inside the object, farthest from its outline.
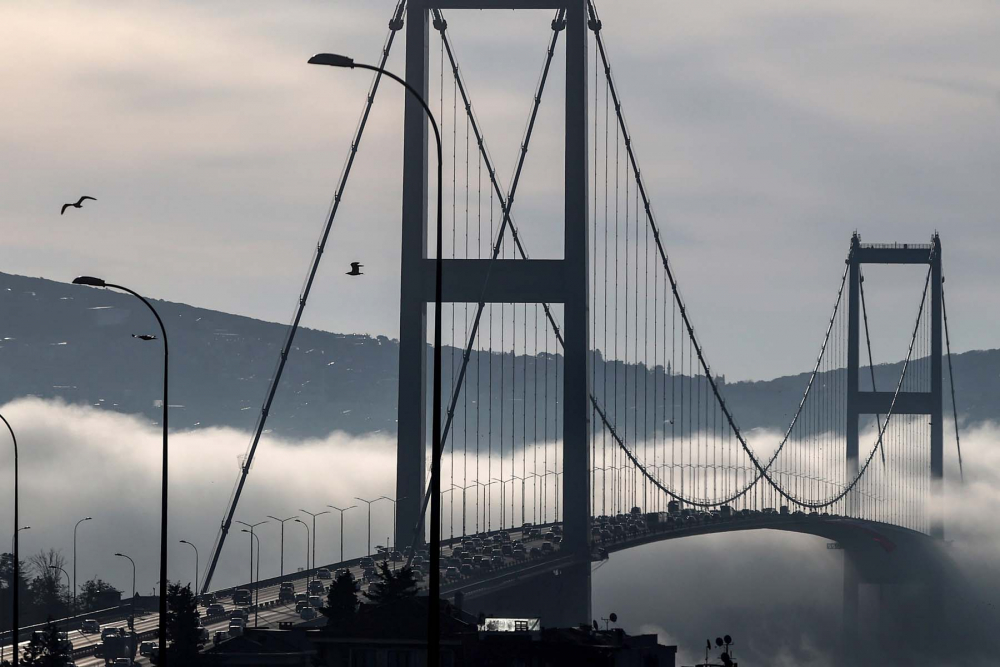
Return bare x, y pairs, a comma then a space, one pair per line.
314, 531
393, 501
15, 626
132, 603
523, 482
74, 558
255, 580
341, 510
555, 518
162, 638
488, 506
368, 551
251, 526
306, 526
195, 564
282, 522
434, 584
63, 570
463, 489
503, 495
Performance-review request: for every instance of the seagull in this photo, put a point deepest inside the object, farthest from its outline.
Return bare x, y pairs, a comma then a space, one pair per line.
355, 269
78, 204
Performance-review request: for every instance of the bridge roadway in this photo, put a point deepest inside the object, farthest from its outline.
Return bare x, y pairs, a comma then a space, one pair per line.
854, 534
270, 612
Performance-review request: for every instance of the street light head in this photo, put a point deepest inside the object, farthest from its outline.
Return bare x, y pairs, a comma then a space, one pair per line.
144, 336
244, 530
90, 281
184, 542
331, 59
122, 555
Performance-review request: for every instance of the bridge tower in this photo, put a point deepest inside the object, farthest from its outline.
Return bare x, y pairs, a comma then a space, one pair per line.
877, 403
509, 281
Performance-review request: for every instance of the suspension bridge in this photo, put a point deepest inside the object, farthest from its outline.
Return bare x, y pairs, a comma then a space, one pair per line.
577, 391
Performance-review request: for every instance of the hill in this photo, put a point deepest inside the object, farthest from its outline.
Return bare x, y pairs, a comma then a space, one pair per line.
74, 343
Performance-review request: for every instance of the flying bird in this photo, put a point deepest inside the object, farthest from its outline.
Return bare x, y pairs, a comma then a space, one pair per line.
355, 269
78, 204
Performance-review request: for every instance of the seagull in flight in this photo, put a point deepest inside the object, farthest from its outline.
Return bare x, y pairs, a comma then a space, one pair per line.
355, 269
78, 204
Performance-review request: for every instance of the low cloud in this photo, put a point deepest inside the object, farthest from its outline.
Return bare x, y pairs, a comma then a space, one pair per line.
777, 594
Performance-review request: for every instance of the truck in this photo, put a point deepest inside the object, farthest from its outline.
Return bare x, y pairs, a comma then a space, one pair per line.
118, 645
241, 596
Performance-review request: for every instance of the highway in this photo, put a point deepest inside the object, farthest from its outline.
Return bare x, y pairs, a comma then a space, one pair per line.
271, 613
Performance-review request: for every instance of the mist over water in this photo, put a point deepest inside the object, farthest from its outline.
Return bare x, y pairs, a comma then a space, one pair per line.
778, 594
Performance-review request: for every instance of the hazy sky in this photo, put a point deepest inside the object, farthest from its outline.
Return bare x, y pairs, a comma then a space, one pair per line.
767, 132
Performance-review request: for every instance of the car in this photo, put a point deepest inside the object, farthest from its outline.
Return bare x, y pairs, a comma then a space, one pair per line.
122, 662
316, 587
145, 648
308, 613
202, 635
417, 561
367, 562
215, 609
507, 550
451, 572
239, 614
520, 553
418, 575
535, 552
235, 628
547, 547
241, 596
323, 573
497, 561
557, 539
369, 574
300, 605
220, 636
485, 564
90, 626
315, 601
109, 632
206, 599
557, 529
466, 569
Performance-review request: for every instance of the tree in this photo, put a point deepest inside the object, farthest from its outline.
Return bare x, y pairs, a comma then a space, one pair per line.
183, 629
48, 595
46, 648
6, 593
342, 600
97, 593
392, 586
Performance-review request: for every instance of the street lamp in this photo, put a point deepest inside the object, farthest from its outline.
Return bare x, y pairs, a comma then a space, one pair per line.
132, 603
99, 282
15, 583
393, 501
369, 548
523, 481
195, 564
255, 580
306, 526
282, 522
341, 510
74, 558
463, 489
434, 585
56, 567
555, 518
314, 530
503, 494
251, 526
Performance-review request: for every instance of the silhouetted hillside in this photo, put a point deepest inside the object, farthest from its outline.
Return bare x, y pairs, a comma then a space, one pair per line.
64, 341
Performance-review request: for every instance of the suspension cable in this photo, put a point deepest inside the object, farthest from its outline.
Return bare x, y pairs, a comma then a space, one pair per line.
395, 24
951, 381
